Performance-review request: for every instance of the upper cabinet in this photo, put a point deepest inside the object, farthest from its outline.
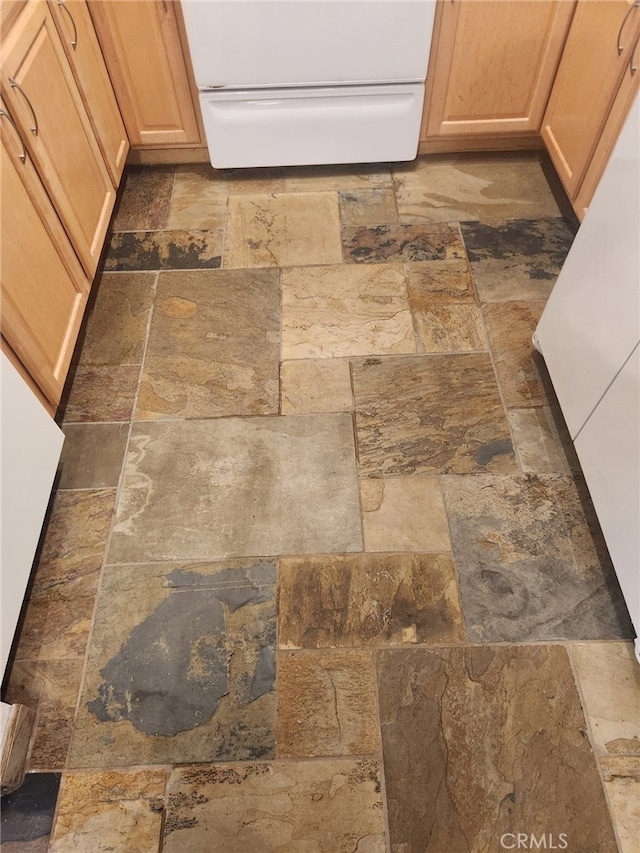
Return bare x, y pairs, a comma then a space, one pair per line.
493, 64
85, 58
596, 80
44, 100
144, 52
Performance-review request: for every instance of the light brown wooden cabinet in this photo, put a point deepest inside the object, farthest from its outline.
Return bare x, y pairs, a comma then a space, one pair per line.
44, 288
43, 98
595, 80
143, 49
85, 58
493, 64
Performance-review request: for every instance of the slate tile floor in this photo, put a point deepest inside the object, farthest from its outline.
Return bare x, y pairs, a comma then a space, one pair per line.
320, 571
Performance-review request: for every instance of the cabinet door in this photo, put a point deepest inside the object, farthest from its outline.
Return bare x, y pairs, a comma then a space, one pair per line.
494, 65
85, 57
44, 99
143, 50
44, 289
598, 50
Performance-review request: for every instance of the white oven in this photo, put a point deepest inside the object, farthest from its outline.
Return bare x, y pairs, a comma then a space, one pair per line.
295, 82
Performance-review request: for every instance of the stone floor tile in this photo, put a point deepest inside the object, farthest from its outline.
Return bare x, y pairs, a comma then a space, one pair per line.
51, 689
522, 376
314, 386
117, 319
530, 567
181, 666
57, 618
282, 230
328, 806
368, 600
622, 783
387, 243
164, 250
609, 678
258, 181
368, 206
199, 198
331, 311
201, 490
449, 327
27, 814
476, 187
404, 514
144, 198
92, 455
542, 442
430, 415
482, 742
439, 281
326, 704
519, 259
100, 394
337, 177
214, 346
111, 811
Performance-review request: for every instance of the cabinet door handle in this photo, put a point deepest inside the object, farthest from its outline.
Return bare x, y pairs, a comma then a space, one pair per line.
633, 65
74, 40
624, 21
23, 155
34, 129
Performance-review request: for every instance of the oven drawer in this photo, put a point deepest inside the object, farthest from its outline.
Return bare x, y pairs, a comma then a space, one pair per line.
312, 126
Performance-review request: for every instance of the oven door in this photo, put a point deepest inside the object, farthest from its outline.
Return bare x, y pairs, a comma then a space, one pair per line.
314, 126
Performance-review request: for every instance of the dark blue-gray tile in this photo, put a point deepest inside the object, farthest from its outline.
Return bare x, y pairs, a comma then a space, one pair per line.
27, 814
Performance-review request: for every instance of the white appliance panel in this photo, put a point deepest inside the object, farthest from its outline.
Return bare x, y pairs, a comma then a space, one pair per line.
591, 322
290, 127
249, 43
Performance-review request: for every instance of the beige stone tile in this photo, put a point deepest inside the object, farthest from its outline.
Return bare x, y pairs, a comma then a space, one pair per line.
404, 514
51, 689
110, 811
326, 704
255, 181
622, 784
368, 206
101, 393
448, 327
341, 310
209, 489
92, 455
325, 806
429, 414
116, 323
473, 188
181, 666
214, 346
521, 372
483, 741
144, 198
315, 386
442, 281
609, 678
337, 177
541, 441
368, 600
199, 198
283, 229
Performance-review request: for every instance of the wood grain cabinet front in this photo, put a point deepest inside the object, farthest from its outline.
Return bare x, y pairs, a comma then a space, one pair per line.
492, 66
44, 288
600, 57
85, 58
45, 102
143, 49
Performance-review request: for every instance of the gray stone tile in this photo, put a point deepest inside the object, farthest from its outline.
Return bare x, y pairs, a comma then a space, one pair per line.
530, 567
202, 490
181, 666
164, 250
92, 455
482, 743
388, 243
27, 814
